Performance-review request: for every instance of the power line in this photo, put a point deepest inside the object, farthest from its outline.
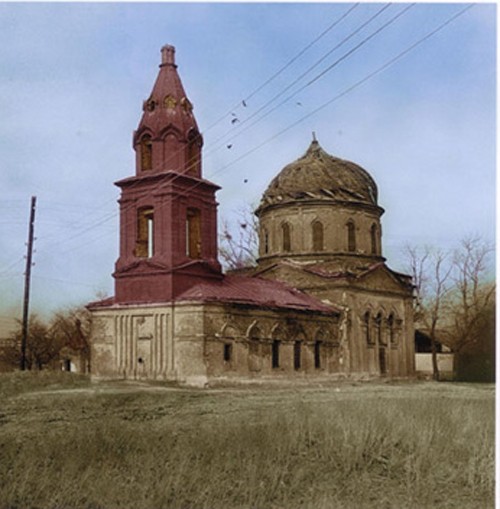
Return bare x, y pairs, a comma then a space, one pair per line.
11, 276
97, 223
11, 266
300, 53
336, 47
305, 73
362, 43
371, 75
65, 281
346, 91
338, 96
270, 79
332, 66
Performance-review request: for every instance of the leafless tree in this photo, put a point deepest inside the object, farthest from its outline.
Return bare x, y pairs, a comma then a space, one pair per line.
473, 296
42, 348
67, 331
238, 246
72, 327
431, 276
454, 297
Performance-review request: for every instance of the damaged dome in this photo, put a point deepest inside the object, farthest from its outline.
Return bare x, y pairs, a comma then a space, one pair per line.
319, 176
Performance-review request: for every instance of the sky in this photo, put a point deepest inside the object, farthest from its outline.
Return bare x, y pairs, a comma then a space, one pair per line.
73, 77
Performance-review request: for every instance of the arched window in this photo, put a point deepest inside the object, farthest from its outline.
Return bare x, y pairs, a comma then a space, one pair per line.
351, 236
374, 239
287, 244
366, 327
317, 236
146, 153
227, 352
193, 233
228, 335
266, 241
144, 247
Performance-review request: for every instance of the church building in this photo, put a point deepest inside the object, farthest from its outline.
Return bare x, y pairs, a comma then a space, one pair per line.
321, 302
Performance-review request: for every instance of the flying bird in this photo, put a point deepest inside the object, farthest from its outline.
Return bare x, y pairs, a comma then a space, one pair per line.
234, 121
244, 103
229, 146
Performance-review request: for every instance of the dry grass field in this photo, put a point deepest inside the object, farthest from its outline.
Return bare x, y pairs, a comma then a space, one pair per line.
67, 443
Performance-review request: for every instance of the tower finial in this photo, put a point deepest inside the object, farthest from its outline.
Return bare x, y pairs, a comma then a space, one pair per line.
314, 137
167, 55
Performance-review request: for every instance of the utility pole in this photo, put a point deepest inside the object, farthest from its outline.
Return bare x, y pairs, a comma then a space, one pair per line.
27, 280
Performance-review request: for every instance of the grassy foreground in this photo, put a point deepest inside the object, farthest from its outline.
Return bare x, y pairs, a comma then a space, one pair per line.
66, 443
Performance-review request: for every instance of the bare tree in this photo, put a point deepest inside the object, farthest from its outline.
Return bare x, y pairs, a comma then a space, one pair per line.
72, 327
238, 246
67, 333
431, 276
473, 295
42, 348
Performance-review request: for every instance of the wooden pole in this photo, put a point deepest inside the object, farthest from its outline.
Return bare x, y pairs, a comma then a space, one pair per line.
27, 280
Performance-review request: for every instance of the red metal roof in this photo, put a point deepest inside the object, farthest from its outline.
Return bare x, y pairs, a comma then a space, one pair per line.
245, 290
255, 291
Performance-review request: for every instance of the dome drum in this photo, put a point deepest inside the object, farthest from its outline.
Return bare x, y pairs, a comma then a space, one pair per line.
319, 231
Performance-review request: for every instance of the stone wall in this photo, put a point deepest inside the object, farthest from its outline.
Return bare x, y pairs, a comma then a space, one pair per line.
132, 342
240, 342
376, 346
192, 343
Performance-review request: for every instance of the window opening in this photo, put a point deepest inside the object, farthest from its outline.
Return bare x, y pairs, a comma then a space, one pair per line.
276, 353
297, 350
373, 234
285, 228
145, 233
317, 354
351, 236
266, 242
146, 153
228, 351
382, 361
317, 234
193, 233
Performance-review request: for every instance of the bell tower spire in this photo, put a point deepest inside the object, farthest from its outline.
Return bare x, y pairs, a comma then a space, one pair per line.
167, 138
168, 213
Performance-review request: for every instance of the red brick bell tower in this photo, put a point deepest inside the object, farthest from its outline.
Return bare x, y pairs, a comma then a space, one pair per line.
168, 212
